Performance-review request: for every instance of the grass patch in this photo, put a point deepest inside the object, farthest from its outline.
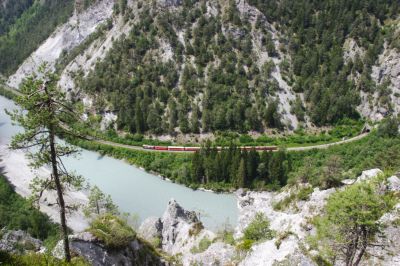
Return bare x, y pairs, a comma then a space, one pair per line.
203, 246
112, 231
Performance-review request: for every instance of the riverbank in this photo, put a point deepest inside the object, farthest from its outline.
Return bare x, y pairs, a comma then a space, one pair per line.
16, 169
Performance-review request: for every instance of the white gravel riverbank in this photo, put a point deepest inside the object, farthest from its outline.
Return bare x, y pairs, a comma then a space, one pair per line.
16, 168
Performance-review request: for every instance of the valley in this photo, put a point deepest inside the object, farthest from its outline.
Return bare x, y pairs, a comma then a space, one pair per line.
199, 132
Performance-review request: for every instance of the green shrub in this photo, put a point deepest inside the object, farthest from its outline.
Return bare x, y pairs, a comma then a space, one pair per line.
112, 231
259, 229
245, 244
34, 259
203, 246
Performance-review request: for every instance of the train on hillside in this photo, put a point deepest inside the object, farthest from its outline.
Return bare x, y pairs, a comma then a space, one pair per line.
194, 149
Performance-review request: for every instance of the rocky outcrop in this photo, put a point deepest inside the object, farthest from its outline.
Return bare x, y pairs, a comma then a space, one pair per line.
169, 3
89, 247
180, 232
386, 72
19, 242
295, 224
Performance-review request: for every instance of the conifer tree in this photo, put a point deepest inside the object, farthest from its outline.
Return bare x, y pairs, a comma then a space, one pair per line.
45, 114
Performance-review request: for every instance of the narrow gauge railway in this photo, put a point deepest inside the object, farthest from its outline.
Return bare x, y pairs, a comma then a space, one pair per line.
193, 149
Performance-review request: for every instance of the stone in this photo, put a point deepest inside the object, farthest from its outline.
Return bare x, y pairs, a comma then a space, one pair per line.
19, 242
369, 174
151, 229
393, 183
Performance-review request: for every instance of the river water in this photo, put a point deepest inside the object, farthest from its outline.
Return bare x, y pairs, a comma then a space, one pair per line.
134, 190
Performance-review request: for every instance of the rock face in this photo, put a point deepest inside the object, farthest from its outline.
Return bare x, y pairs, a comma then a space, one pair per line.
87, 246
19, 242
296, 220
66, 37
386, 71
179, 231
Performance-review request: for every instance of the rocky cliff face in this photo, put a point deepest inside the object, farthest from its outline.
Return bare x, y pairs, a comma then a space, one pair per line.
65, 38
179, 232
175, 38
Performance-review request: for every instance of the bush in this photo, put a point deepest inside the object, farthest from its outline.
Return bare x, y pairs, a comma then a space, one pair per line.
259, 229
38, 260
203, 246
112, 231
389, 127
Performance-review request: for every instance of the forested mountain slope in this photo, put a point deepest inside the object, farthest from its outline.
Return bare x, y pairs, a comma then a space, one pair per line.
170, 66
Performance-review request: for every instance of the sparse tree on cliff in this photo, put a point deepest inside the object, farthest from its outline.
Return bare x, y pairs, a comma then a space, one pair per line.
45, 114
99, 203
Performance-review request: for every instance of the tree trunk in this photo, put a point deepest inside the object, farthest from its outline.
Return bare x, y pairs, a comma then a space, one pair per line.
60, 195
363, 248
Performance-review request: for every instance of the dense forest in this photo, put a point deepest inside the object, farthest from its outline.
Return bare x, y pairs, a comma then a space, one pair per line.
201, 66
192, 70
24, 25
17, 213
240, 168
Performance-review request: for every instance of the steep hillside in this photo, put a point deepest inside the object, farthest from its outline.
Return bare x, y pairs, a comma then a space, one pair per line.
21, 36
172, 66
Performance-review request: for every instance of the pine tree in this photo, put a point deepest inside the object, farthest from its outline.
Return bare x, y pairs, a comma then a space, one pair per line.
44, 114
241, 174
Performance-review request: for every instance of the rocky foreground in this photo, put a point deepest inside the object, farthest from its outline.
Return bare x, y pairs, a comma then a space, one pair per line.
182, 239
179, 234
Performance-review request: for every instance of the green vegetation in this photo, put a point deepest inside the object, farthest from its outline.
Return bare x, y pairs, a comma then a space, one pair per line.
10, 11
223, 171
203, 246
326, 167
351, 222
301, 194
43, 114
99, 203
240, 168
223, 88
257, 230
344, 129
6, 93
17, 213
38, 260
150, 96
113, 231
30, 29
316, 48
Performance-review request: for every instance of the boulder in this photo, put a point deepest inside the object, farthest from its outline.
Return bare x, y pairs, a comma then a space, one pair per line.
393, 183
369, 174
19, 242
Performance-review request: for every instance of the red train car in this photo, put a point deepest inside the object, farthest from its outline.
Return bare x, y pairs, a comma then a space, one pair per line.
161, 148
148, 147
176, 148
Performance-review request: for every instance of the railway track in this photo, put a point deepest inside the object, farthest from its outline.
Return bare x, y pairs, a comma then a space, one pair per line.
178, 149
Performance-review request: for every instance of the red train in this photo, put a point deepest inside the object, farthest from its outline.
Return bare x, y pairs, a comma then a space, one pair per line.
192, 149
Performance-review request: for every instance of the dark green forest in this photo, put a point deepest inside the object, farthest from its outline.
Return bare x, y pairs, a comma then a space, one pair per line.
240, 168
211, 80
221, 87
17, 213
24, 25
316, 32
